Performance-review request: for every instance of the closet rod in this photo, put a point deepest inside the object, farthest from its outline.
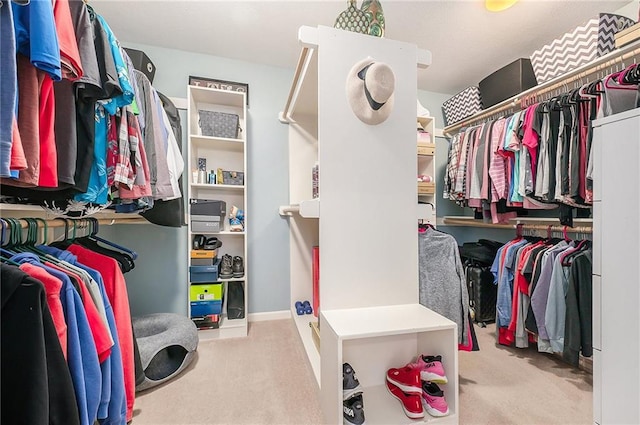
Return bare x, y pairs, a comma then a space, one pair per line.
448, 221
612, 59
78, 222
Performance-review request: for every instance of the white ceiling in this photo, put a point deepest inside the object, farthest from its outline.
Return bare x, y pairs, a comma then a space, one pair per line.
467, 42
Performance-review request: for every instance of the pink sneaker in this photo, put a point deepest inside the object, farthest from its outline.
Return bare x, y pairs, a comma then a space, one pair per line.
411, 403
433, 400
406, 378
431, 369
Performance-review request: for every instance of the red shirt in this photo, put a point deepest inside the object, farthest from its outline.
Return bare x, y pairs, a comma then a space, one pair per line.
48, 176
18, 161
116, 289
69, 54
52, 287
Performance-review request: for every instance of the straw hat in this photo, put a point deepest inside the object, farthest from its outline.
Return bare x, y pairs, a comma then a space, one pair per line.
370, 87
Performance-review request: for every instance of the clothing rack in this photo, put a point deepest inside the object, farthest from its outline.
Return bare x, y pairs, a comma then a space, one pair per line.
602, 66
470, 222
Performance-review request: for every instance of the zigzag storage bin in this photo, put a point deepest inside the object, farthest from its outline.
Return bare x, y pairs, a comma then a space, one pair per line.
462, 105
578, 47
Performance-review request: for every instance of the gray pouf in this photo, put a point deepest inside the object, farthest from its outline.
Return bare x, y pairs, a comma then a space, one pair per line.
167, 343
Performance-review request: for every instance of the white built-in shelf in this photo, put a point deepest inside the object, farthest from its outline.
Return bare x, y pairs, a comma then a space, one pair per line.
228, 329
217, 186
224, 232
233, 279
220, 143
385, 320
302, 324
382, 408
218, 97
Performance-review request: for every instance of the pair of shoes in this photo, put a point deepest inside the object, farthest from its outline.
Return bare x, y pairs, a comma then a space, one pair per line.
303, 307
353, 404
231, 267
404, 384
415, 386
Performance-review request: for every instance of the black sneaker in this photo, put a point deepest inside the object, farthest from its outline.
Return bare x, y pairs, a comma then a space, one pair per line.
353, 411
350, 384
226, 268
238, 266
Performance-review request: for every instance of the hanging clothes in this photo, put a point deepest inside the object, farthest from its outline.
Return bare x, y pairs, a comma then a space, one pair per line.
442, 282
544, 295
80, 130
36, 383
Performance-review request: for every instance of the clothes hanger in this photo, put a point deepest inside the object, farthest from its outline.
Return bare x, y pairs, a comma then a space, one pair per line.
93, 236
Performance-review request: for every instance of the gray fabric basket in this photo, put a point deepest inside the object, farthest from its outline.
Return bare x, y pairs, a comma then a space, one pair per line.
219, 124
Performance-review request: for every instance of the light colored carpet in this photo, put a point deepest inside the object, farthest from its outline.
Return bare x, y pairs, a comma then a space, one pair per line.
505, 385
261, 379
265, 379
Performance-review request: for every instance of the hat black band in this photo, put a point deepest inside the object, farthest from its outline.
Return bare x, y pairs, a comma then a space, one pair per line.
374, 105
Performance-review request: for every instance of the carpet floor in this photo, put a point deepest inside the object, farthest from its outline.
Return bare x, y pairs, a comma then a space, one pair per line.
265, 379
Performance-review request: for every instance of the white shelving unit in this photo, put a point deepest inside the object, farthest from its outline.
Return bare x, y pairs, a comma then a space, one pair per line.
229, 154
367, 318
427, 166
366, 334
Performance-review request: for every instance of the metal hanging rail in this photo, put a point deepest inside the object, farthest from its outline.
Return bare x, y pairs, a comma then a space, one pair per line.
603, 65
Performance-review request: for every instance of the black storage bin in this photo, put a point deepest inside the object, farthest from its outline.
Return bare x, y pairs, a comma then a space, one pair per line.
506, 82
142, 63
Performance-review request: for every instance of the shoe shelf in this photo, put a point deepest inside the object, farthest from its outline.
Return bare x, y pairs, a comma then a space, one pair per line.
228, 329
227, 154
382, 408
375, 339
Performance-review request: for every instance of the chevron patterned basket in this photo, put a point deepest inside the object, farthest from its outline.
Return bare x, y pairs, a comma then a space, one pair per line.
462, 105
578, 47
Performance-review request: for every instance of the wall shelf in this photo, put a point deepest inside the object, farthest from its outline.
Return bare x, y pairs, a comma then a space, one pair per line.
217, 143
217, 186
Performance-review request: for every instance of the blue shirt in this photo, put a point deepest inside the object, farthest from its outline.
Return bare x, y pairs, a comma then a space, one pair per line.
82, 355
113, 405
505, 284
8, 87
36, 36
98, 191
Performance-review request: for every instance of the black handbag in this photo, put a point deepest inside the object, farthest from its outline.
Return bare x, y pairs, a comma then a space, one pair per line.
235, 300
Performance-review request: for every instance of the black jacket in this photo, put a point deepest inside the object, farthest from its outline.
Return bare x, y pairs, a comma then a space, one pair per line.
36, 383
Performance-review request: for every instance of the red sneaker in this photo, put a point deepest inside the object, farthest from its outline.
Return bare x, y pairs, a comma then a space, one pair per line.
411, 403
406, 378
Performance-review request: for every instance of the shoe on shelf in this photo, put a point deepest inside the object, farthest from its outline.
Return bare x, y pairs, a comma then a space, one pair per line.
236, 219
431, 369
406, 378
350, 384
411, 403
433, 399
226, 267
238, 266
353, 411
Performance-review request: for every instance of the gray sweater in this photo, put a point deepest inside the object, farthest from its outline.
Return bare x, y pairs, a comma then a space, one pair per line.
443, 286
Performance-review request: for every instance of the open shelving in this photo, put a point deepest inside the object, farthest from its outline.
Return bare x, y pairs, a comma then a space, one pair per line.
365, 317
228, 154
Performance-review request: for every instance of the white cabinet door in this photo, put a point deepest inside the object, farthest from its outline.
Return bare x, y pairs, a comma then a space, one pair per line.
620, 268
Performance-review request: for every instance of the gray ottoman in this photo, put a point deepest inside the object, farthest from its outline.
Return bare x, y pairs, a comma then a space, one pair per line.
167, 343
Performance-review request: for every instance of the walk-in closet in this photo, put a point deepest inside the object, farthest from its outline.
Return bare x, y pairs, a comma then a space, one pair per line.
319, 212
